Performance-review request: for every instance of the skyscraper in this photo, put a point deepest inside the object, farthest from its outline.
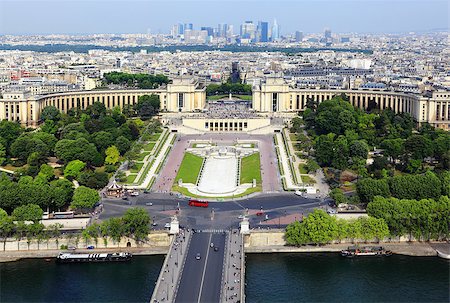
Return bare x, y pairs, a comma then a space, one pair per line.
248, 30
298, 36
188, 26
275, 31
263, 31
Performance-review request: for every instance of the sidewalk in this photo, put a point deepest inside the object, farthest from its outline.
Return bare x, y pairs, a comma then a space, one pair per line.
167, 284
233, 274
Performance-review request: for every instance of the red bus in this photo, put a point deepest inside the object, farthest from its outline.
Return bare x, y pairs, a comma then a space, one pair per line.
198, 203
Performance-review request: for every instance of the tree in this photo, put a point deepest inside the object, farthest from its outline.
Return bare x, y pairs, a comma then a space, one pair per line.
102, 140
112, 155
6, 226
320, 227
338, 196
50, 113
123, 144
2, 153
84, 198
148, 106
368, 188
81, 149
25, 145
10, 131
418, 147
312, 166
30, 212
97, 179
73, 169
359, 148
393, 148
295, 234
46, 173
324, 149
136, 222
114, 228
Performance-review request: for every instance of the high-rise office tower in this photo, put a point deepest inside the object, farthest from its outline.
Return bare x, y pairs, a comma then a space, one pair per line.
188, 26
208, 29
275, 31
248, 30
327, 34
180, 29
298, 36
263, 31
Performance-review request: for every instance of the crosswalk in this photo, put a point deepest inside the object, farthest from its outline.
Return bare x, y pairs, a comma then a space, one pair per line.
212, 231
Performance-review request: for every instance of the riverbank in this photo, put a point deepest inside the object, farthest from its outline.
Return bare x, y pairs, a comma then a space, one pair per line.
414, 249
11, 256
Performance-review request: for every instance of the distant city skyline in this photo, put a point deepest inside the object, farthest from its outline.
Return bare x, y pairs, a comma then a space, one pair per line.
118, 16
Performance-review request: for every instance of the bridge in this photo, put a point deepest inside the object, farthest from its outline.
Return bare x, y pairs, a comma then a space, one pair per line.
202, 266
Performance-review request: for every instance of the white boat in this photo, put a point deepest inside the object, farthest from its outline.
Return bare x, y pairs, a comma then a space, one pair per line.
443, 255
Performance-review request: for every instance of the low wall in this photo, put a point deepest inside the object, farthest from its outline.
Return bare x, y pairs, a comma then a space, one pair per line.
157, 239
272, 241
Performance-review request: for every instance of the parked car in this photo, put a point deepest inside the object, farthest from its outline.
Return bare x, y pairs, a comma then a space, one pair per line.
90, 247
71, 248
241, 217
260, 213
167, 225
198, 257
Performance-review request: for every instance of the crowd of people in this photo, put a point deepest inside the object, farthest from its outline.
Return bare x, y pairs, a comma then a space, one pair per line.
221, 110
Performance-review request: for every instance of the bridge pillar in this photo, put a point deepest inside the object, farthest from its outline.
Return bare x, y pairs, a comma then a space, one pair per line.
174, 226
244, 226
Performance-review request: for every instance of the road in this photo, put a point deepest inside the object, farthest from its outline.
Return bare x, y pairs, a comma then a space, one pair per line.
226, 214
201, 280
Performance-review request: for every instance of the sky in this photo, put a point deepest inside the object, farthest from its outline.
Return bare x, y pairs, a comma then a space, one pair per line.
19, 17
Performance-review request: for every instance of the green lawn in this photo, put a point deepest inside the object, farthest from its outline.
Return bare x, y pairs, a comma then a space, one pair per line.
213, 98
308, 180
184, 191
302, 168
154, 137
293, 137
244, 97
149, 146
131, 178
189, 168
251, 169
142, 156
137, 167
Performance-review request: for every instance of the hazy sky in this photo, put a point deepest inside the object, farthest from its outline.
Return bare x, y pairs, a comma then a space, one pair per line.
137, 16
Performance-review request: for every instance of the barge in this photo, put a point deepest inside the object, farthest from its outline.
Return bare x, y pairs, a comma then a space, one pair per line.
354, 251
98, 257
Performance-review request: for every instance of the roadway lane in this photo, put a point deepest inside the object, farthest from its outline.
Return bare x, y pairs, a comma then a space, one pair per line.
214, 269
201, 279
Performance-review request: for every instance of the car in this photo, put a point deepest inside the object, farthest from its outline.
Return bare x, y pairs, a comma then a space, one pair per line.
167, 225
216, 248
90, 247
299, 193
149, 204
154, 224
146, 191
198, 257
134, 193
125, 198
241, 217
260, 213
212, 244
331, 211
71, 248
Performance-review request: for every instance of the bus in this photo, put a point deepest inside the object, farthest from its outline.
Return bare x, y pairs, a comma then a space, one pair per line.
198, 203
62, 215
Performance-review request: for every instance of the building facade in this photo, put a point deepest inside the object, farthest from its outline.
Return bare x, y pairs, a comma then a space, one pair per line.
273, 97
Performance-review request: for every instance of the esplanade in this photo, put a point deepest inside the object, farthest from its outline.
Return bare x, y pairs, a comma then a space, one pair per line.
271, 97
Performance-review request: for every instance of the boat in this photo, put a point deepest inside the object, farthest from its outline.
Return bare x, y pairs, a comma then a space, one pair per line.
443, 255
97, 257
353, 251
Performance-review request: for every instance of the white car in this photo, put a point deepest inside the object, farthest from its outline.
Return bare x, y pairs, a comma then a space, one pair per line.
167, 226
134, 194
299, 193
241, 217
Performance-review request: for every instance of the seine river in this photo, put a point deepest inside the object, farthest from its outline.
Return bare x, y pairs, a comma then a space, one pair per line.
270, 278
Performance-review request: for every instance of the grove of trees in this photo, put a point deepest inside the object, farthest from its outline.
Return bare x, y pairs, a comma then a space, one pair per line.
320, 228
142, 81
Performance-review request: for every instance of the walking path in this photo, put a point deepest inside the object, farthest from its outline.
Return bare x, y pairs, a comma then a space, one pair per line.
234, 269
159, 159
166, 286
285, 164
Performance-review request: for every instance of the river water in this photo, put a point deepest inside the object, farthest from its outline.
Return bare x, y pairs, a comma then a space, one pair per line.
269, 278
